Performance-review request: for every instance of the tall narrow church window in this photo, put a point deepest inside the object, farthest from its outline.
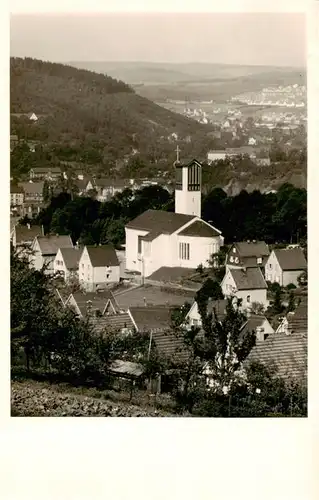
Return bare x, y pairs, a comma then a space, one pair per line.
184, 253
179, 178
194, 178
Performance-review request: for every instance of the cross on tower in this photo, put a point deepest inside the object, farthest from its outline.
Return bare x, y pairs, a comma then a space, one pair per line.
177, 154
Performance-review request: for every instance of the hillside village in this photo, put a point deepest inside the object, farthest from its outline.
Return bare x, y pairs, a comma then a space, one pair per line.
171, 263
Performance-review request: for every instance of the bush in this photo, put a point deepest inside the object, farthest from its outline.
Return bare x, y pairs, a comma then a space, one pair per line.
291, 286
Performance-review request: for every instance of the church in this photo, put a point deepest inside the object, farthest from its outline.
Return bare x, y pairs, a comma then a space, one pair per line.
158, 239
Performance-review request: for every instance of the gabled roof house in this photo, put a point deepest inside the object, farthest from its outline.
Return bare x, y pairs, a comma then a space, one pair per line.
98, 266
284, 266
248, 285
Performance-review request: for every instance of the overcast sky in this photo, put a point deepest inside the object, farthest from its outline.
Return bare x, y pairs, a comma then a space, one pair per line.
277, 39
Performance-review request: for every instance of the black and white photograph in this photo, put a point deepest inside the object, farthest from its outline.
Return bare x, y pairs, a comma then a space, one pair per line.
158, 214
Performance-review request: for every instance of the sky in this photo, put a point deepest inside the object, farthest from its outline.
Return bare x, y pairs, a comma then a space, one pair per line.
271, 38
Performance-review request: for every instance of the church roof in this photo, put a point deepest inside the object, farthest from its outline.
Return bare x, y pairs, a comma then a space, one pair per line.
200, 229
159, 221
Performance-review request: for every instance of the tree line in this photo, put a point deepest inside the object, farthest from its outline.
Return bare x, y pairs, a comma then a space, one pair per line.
204, 376
279, 217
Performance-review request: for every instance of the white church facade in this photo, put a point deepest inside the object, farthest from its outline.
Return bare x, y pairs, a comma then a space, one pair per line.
158, 238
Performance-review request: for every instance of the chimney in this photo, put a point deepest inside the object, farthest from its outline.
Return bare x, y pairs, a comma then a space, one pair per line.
42, 230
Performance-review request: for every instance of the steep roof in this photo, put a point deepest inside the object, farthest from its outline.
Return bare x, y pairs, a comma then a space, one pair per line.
102, 255
98, 301
32, 187
27, 234
285, 353
200, 229
49, 245
291, 259
114, 323
249, 279
160, 221
71, 257
15, 189
298, 319
252, 323
252, 249
152, 318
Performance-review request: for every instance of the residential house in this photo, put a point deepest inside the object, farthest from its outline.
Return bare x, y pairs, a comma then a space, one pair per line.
107, 188
47, 173
66, 262
216, 155
259, 324
285, 354
263, 162
98, 266
254, 323
193, 317
16, 195
252, 141
246, 254
44, 250
32, 116
24, 235
151, 319
248, 285
295, 321
33, 191
284, 266
104, 303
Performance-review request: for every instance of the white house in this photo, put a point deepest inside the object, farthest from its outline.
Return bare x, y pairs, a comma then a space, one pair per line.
245, 284
44, 250
182, 239
252, 141
247, 254
284, 266
33, 117
66, 262
193, 317
216, 155
98, 266
24, 235
257, 323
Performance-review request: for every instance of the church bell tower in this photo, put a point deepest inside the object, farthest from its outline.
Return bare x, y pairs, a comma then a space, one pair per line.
188, 186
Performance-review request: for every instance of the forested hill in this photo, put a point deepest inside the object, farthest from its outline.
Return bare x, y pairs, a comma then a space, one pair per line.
80, 106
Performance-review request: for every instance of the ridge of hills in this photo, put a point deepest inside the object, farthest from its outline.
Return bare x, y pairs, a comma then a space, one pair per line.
77, 106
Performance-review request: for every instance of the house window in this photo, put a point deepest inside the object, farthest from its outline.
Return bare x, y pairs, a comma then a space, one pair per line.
269, 266
139, 244
184, 251
259, 260
234, 250
107, 276
248, 299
